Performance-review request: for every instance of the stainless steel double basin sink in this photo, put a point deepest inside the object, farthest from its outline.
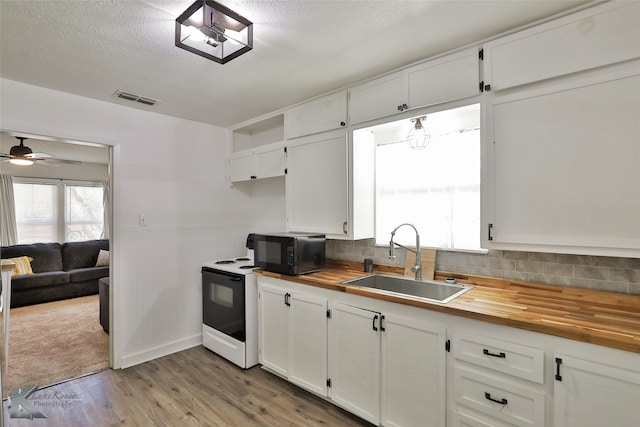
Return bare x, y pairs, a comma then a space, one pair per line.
431, 290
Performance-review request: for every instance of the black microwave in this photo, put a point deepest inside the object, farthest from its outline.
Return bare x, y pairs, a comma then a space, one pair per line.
289, 253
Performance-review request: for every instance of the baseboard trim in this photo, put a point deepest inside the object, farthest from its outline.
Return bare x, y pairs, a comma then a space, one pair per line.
160, 351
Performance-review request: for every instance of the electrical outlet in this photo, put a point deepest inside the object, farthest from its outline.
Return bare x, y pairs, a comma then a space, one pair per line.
142, 219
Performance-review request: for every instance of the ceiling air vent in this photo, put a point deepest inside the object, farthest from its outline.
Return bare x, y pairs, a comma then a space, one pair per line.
135, 98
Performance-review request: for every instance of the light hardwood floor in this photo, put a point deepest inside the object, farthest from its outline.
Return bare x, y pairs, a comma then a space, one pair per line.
194, 387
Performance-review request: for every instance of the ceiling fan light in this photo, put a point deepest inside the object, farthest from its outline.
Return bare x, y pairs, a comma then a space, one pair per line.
20, 150
21, 162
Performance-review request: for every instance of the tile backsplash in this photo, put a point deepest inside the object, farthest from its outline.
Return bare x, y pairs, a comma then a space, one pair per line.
581, 271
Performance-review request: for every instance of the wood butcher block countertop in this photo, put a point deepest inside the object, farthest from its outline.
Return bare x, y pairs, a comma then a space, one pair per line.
604, 318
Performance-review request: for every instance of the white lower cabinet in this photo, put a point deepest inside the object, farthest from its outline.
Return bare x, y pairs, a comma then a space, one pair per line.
273, 329
496, 382
384, 366
387, 363
293, 336
387, 368
414, 361
463, 417
508, 401
589, 394
308, 342
354, 360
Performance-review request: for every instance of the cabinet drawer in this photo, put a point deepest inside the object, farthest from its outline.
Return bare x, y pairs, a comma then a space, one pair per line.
500, 399
509, 358
465, 417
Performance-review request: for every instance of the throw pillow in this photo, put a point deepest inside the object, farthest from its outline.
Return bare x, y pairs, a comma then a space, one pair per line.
22, 265
103, 258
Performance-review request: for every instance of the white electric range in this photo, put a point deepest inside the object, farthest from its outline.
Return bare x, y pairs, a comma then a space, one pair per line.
230, 308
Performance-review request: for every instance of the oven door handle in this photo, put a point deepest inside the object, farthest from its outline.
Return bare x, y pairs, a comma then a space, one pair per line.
235, 279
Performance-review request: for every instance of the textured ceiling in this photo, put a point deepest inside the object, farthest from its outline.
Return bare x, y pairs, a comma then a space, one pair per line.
302, 48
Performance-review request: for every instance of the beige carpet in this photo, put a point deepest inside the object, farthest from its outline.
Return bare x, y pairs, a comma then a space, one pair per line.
55, 341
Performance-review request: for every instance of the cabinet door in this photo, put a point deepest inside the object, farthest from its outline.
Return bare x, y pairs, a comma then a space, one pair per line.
585, 40
308, 342
274, 333
242, 167
378, 98
323, 114
262, 162
317, 184
354, 360
270, 163
455, 76
564, 168
413, 372
588, 394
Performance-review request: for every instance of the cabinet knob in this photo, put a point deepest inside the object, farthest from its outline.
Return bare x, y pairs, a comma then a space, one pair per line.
253, 177
343, 124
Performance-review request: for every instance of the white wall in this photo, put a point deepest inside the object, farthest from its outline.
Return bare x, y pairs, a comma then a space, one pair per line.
173, 171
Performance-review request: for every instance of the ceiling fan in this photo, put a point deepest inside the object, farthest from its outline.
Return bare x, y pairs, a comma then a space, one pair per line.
23, 156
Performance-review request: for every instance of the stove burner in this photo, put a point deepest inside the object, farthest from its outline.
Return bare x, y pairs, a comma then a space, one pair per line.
242, 259
247, 266
225, 261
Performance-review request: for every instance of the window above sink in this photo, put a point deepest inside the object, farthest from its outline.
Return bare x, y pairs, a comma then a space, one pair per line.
436, 188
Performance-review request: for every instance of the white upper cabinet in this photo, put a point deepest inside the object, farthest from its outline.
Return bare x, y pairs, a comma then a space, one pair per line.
257, 150
562, 166
329, 185
319, 115
263, 162
316, 184
242, 166
455, 76
378, 98
592, 38
449, 78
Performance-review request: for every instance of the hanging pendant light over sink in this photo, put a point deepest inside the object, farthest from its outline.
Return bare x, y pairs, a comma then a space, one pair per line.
418, 137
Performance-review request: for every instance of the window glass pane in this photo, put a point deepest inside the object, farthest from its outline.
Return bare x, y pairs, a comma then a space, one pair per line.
35, 213
437, 189
83, 213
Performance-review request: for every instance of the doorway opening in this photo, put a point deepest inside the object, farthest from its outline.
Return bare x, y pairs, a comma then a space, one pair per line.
54, 332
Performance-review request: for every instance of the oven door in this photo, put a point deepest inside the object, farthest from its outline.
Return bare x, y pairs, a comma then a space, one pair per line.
223, 306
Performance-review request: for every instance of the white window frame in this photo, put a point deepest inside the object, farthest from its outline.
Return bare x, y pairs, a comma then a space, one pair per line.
382, 237
60, 185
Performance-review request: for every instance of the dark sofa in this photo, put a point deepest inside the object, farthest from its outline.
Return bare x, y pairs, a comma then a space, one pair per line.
61, 271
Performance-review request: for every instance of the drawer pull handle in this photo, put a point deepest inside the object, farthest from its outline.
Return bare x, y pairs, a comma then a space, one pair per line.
488, 353
502, 401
